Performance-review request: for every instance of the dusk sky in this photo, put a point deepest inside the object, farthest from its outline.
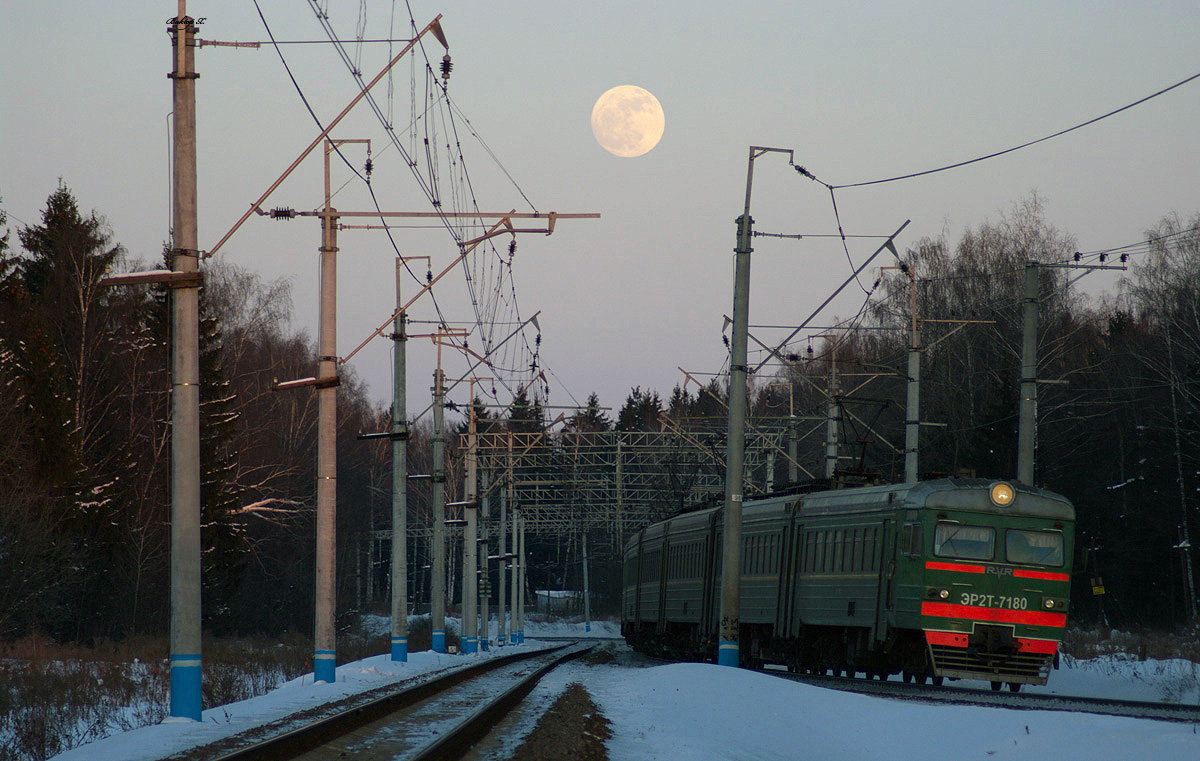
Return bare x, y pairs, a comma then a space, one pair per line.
860, 91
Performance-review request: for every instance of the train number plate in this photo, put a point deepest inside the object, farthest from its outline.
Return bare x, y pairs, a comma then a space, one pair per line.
993, 601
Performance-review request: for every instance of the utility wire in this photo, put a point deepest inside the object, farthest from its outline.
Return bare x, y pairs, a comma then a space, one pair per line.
834, 187
486, 313
338, 150
976, 160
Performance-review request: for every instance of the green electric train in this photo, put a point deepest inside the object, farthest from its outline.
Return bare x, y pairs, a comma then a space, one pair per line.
949, 578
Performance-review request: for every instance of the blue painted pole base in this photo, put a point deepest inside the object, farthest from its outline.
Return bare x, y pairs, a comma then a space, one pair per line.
520, 636
439, 640
485, 644
185, 687
727, 654
587, 627
400, 649
500, 641
325, 666
468, 645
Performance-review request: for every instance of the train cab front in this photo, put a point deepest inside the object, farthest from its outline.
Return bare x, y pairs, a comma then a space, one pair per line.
997, 585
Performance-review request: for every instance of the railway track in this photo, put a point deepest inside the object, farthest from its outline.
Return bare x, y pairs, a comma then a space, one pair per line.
1022, 701
437, 719
1025, 701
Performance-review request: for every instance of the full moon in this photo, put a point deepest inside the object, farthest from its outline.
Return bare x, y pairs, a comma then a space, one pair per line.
627, 121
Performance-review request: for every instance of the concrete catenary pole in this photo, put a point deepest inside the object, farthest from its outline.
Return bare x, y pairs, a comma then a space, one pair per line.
437, 592
587, 589
470, 626
521, 579
513, 635
185, 385
793, 438
912, 422
399, 480
501, 628
484, 585
1027, 423
324, 652
833, 419
728, 653
728, 639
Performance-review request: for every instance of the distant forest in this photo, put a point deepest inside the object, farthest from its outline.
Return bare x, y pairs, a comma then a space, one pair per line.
85, 411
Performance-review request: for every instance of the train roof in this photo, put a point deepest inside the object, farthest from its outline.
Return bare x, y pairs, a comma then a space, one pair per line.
944, 493
971, 494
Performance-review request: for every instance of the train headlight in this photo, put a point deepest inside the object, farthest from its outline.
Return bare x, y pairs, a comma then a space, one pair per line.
937, 593
1054, 603
1002, 494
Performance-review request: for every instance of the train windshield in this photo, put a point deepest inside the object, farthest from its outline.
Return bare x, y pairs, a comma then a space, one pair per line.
1041, 547
954, 540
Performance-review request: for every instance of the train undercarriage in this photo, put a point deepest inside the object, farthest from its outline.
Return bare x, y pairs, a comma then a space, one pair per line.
988, 654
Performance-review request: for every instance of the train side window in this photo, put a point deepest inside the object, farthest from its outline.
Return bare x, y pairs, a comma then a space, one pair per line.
910, 539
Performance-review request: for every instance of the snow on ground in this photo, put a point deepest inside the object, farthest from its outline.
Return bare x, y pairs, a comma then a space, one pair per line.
700, 711
706, 712
155, 742
381, 626
1125, 678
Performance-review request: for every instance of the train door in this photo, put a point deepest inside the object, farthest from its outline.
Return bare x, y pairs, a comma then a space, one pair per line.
789, 558
637, 583
884, 558
664, 564
712, 553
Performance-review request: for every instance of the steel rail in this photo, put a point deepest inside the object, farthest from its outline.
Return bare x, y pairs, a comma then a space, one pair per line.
1023, 701
455, 743
295, 742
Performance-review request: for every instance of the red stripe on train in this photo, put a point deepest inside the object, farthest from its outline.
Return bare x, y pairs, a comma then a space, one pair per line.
934, 565
958, 639
1000, 615
1021, 573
